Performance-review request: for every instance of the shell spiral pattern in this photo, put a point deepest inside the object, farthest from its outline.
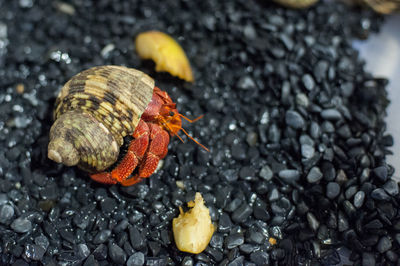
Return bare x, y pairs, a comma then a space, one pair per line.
94, 111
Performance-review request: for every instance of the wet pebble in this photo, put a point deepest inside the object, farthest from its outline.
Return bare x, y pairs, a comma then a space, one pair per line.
116, 253
234, 240
380, 194
314, 175
294, 119
21, 225
331, 114
308, 82
391, 187
359, 199
136, 259
242, 213
289, 175
6, 213
34, 252
381, 173
384, 244
102, 236
266, 173
260, 258
332, 190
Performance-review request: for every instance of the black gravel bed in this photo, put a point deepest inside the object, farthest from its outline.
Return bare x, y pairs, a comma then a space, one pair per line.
294, 124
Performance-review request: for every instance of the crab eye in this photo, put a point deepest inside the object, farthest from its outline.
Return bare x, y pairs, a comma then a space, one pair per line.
171, 113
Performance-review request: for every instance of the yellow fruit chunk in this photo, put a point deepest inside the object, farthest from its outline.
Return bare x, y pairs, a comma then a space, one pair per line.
165, 52
193, 229
296, 3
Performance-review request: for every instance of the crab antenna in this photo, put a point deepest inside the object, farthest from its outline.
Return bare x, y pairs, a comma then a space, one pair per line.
198, 143
179, 137
189, 120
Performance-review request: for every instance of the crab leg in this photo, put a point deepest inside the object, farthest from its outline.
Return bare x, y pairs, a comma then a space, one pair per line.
157, 150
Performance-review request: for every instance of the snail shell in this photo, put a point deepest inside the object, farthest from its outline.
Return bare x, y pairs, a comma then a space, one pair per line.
94, 111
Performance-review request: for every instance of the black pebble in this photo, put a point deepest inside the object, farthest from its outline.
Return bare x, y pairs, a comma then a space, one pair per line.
332, 190
234, 240
116, 253
294, 119
136, 259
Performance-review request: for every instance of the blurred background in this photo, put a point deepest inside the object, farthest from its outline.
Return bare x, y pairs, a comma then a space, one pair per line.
382, 54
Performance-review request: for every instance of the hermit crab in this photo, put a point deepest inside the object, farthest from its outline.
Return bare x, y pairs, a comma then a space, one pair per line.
100, 107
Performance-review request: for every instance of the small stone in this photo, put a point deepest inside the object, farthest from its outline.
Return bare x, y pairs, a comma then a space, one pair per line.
349, 193
83, 251
373, 225
294, 119
242, 213
116, 253
384, 244
247, 173
136, 259
342, 222
34, 252
225, 224
233, 205
359, 199
320, 70
312, 221
266, 173
277, 254
273, 195
368, 259
308, 82
314, 175
108, 205
248, 248
102, 237
249, 32
26, 3
3, 199
260, 258
381, 173
302, 100
307, 151
380, 194
332, 190
331, 114
42, 241
238, 151
91, 261
246, 83
289, 175
136, 238
238, 261
260, 211
6, 213
315, 130
21, 225
101, 252
391, 187
234, 240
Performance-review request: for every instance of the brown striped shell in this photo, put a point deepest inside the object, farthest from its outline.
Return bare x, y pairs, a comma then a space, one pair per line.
94, 111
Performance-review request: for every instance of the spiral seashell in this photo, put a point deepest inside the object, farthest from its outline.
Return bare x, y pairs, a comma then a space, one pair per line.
94, 111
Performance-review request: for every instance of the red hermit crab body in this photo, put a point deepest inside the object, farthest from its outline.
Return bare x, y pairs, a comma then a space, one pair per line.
97, 108
150, 142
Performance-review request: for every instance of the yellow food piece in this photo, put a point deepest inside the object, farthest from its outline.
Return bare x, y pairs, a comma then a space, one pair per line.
165, 52
272, 241
193, 229
296, 3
